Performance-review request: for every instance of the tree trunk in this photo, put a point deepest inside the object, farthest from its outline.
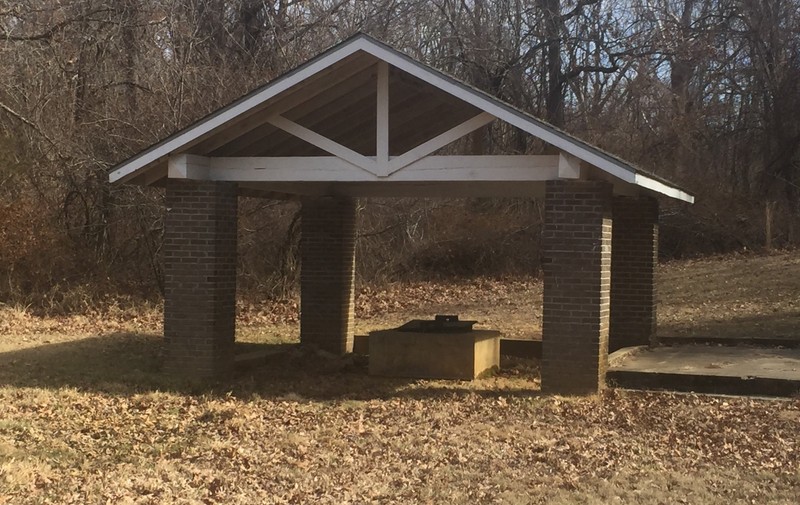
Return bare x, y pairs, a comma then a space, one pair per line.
554, 103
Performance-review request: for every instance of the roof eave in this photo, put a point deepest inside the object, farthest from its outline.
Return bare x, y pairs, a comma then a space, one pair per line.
647, 182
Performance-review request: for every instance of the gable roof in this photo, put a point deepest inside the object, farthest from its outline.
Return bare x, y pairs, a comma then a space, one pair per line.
344, 54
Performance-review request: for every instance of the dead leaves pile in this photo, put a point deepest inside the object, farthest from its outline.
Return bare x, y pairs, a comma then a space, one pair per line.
418, 446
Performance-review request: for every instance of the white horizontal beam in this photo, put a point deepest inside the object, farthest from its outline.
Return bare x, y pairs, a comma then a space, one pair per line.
480, 168
383, 189
569, 167
428, 169
286, 169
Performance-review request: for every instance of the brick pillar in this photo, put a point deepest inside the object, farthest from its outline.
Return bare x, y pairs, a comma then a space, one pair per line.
634, 256
576, 259
327, 273
200, 277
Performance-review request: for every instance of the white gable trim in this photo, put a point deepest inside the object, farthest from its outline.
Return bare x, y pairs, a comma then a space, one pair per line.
129, 169
547, 133
494, 108
521, 121
659, 187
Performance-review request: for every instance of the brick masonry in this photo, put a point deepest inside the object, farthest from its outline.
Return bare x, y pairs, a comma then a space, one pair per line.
634, 257
327, 273
576, 260
200, 277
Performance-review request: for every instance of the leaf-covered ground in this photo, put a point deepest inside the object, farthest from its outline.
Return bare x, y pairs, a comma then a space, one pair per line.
86, 417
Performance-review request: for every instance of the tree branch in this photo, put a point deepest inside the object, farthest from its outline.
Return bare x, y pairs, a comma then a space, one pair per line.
27, 122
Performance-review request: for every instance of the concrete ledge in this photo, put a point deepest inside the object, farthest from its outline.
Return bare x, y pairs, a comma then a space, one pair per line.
361, 345
756, 371
707, 384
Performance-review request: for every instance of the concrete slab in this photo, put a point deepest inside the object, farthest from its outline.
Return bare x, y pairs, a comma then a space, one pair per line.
708, 369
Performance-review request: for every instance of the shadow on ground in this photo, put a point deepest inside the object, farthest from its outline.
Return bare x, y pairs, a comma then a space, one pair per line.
130, 363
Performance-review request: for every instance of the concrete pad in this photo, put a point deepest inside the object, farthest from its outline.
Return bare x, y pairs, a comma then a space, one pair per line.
708, 369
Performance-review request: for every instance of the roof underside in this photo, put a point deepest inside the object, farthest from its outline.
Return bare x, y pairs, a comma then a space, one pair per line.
337, 97
340, 105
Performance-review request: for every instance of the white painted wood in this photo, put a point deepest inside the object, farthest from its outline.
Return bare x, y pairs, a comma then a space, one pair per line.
299, 95
385, 188
129, 168
429, 169
382, 120
286, 169
480, 169
547, 133
492, 106
659, 187
324, 143
440, 141
569, 167
187, 166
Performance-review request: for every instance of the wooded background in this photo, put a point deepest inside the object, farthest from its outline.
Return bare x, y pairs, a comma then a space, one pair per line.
703, 92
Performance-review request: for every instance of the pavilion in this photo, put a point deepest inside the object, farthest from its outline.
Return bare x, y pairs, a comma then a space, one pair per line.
364, 120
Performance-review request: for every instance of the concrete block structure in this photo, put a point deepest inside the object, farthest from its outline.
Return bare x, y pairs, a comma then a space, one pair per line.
462, 356
363, 120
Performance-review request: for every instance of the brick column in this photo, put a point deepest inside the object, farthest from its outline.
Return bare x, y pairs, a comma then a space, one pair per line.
576, 259
200, 277
634, 256
327, 273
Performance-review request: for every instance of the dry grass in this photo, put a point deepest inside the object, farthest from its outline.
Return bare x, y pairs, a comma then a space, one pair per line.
86, 419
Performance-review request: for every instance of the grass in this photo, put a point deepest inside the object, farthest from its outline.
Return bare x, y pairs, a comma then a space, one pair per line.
88, 419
